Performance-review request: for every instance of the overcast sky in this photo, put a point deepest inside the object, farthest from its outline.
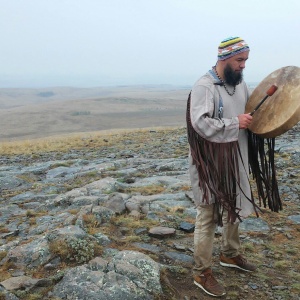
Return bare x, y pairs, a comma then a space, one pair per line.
87, 43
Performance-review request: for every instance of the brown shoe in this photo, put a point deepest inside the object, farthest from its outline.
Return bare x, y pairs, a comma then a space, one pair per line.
237, 262
207, 282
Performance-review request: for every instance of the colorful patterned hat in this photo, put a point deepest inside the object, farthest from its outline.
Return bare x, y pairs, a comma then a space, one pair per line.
231, 46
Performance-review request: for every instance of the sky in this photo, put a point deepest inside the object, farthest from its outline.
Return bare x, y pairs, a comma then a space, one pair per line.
91, 43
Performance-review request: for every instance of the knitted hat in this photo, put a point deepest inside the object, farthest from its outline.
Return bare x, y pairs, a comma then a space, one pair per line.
231, 46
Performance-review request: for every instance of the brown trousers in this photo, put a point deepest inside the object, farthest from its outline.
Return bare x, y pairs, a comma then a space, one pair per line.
204, 238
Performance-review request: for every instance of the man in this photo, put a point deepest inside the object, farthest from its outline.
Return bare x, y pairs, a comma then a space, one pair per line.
219, 170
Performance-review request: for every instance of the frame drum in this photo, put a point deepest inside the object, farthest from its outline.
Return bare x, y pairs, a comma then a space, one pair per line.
281, 111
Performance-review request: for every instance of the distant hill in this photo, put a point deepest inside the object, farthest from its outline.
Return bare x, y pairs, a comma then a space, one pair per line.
34, 113
11, 97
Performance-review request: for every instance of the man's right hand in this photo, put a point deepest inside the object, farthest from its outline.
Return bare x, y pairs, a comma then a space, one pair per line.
244, 120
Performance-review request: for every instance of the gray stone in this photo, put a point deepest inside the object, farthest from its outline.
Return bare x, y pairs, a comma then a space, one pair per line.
279, 287
61, 172
162, 232
140, 231
102, 239
67, 231
179, 247
179, 257
103, 214
30, 197
295, 218
116, 203
9, 182
148, 247
21, 282
187, 227
53, 264
130, 276
106, 185
84, 200
33, 254
7, 295
254, 224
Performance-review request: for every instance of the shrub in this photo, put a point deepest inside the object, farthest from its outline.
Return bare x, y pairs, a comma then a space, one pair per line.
75, 249
81, 250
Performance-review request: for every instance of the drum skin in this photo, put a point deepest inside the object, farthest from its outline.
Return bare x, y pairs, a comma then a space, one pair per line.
281, 111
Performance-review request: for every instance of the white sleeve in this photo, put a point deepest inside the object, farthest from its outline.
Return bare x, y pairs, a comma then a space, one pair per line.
213, 129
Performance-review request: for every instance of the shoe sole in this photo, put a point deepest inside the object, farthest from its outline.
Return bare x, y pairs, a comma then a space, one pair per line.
207, 292
234, 266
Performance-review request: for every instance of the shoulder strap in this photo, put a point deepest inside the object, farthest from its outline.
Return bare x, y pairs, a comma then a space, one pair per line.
218, 112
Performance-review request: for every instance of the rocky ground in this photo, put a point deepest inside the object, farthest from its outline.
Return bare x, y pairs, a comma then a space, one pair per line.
116, 222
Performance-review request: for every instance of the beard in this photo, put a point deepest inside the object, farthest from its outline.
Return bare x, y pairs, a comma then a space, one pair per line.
231, 77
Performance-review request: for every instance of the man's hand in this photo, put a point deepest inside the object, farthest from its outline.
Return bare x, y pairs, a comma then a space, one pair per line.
245, 120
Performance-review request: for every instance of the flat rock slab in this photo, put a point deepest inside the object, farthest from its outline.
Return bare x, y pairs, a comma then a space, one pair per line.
254, 224
180, 257
16, 283
187, 227
162, 232
295, 218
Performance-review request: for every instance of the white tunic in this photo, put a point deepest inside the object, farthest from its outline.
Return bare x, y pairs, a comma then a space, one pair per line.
205, 97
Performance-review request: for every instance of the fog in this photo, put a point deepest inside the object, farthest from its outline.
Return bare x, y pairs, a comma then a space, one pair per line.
127, 42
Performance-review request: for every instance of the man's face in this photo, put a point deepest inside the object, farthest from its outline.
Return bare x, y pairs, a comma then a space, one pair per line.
233, 70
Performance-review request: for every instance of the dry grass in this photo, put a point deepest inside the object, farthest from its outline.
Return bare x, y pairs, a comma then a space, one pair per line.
2, 254
91, 223
177, 209
76, 141
73, 211
59, 248
132, 222
32, 215
249, 247
3, 230
146, 190
4, 274
7, 265
282, 264
2, 296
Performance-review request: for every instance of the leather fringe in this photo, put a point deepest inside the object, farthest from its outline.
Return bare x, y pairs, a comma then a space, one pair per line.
262, 166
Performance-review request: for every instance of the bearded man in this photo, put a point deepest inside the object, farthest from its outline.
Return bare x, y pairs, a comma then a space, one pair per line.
218, 162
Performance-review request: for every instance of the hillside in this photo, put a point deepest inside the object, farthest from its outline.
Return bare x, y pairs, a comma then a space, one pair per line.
34, 113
